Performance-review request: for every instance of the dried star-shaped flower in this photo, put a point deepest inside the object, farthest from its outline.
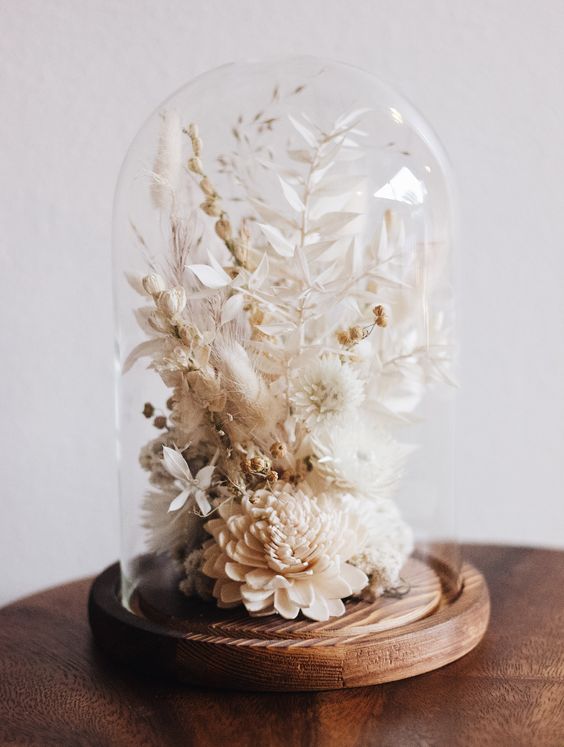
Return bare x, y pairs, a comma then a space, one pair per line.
192, 487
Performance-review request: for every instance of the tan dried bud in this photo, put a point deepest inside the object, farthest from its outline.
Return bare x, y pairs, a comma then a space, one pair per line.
193, 130
343, 337
278, 450
153, 284
271, 475
207, 187
148, 410
223, 229
380, 315
172, 302
246, 466
356, 334
195, 165
258, 464
160, 422
170, 403
211, 207
197, 146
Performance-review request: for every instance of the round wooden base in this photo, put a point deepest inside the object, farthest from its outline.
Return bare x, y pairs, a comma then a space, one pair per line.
387, 640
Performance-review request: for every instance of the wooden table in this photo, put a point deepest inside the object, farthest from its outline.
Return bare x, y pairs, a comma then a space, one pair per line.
57, 689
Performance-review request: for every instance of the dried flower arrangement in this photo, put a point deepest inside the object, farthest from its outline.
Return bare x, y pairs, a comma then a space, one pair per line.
287, 345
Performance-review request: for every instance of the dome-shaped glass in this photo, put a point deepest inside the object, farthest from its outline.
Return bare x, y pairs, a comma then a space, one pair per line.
285, 342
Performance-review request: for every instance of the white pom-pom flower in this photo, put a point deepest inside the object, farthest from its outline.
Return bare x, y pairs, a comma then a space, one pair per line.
281, 550
326, 392
360, 459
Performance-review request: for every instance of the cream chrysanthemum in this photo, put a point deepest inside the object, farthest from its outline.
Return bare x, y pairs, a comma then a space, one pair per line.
361, 460
326, 392
283, 551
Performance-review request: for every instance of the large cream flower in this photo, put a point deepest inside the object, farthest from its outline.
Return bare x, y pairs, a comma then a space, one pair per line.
360, 459
281, 550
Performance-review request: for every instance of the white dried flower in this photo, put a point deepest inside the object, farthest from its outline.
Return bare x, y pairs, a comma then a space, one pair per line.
281, 550
172, 302
326, 392
388, 544
360, 459
153, 284
195, 487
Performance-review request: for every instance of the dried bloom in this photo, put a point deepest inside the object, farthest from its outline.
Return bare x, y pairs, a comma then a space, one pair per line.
271, 475
278, 450
148, 410
172, 302
153, 284
280, 550
192, 487
389, 542
160, 422
258, 464
380, 315
326, 392
360, 459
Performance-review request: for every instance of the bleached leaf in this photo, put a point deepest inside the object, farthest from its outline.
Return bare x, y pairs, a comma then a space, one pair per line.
276, 329
291, 196
304, 131
143, 350
231, 308
204, 476
202, 502
211, 277
266, 213
351, 119
277, 240
329, 274
175, 464
339, 185
260, 274
304, 265
179, 501
136, 282
333, 222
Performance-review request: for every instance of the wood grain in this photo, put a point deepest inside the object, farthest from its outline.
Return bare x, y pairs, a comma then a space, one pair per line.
57, 689
372, 643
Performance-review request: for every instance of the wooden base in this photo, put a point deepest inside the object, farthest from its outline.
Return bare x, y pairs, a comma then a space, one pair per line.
387, 640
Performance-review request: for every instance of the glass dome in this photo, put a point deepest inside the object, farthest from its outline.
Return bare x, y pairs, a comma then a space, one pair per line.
282, 254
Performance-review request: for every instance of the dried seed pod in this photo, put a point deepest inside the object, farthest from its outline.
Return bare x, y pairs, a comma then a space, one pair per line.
193, 130
195, 165
380, 315
343, 337
197, 146
160, 422
170, 403
223, 229
212, 207
356, 334
271, 475
148, 410
207, 187
258, 464
278, 450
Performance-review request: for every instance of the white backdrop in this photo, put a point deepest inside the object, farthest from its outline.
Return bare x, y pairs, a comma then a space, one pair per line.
78, 77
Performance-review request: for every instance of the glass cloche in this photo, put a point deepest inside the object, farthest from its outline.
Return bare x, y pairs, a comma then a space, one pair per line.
285, 349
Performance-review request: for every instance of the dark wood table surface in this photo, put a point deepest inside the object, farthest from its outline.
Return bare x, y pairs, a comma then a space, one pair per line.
57, 689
